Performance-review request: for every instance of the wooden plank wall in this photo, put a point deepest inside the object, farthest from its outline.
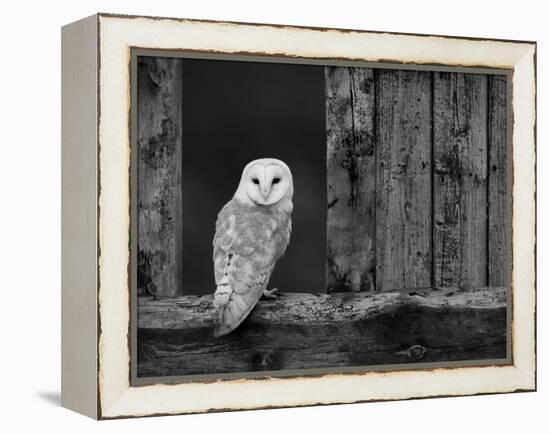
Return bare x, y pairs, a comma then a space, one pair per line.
497, 177
159, 82
416, 178
403, 179
460, 179
350, 163
433, 186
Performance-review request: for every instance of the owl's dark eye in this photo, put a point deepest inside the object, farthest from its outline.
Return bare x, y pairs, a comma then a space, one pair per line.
276, 180
255, 180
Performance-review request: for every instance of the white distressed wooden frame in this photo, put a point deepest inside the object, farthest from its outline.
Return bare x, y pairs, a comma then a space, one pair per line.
96, 215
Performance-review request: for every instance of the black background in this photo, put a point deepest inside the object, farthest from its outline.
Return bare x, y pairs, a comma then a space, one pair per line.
235, 112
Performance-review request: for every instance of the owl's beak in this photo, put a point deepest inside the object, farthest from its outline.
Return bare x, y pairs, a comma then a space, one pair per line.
265, 192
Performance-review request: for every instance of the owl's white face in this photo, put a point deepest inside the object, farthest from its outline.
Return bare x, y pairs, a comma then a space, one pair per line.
265, 182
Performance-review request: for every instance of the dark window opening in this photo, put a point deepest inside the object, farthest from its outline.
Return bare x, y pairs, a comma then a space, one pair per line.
235, 112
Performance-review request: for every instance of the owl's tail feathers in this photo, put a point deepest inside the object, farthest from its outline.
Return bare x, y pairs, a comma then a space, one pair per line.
221, 301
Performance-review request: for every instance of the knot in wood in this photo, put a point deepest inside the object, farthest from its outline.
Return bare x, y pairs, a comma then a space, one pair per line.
414, 352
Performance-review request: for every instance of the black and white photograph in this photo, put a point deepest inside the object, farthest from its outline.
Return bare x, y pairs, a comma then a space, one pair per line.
275, 217
299, 217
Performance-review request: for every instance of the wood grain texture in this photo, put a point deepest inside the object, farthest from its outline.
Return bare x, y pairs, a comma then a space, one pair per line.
460, 179
350, 179
175, 336
497, 182
159, 175
403, 179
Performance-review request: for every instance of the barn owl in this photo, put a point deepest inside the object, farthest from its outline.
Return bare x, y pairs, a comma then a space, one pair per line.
252, 233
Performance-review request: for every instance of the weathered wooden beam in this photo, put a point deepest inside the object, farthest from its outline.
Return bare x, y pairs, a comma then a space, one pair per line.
460, 179
350, 179
403, 179
159, 175
297, 331
497, 188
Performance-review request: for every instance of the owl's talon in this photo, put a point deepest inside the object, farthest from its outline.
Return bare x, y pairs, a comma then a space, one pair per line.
270, 294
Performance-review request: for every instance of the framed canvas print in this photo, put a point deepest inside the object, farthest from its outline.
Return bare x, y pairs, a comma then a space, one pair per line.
260, 216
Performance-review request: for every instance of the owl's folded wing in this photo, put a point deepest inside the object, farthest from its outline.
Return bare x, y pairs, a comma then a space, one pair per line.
241, 274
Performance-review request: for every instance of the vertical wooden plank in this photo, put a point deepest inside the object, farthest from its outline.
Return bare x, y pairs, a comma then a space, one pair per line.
350, 179
159, 175
403, 178
497, 181
460, 179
